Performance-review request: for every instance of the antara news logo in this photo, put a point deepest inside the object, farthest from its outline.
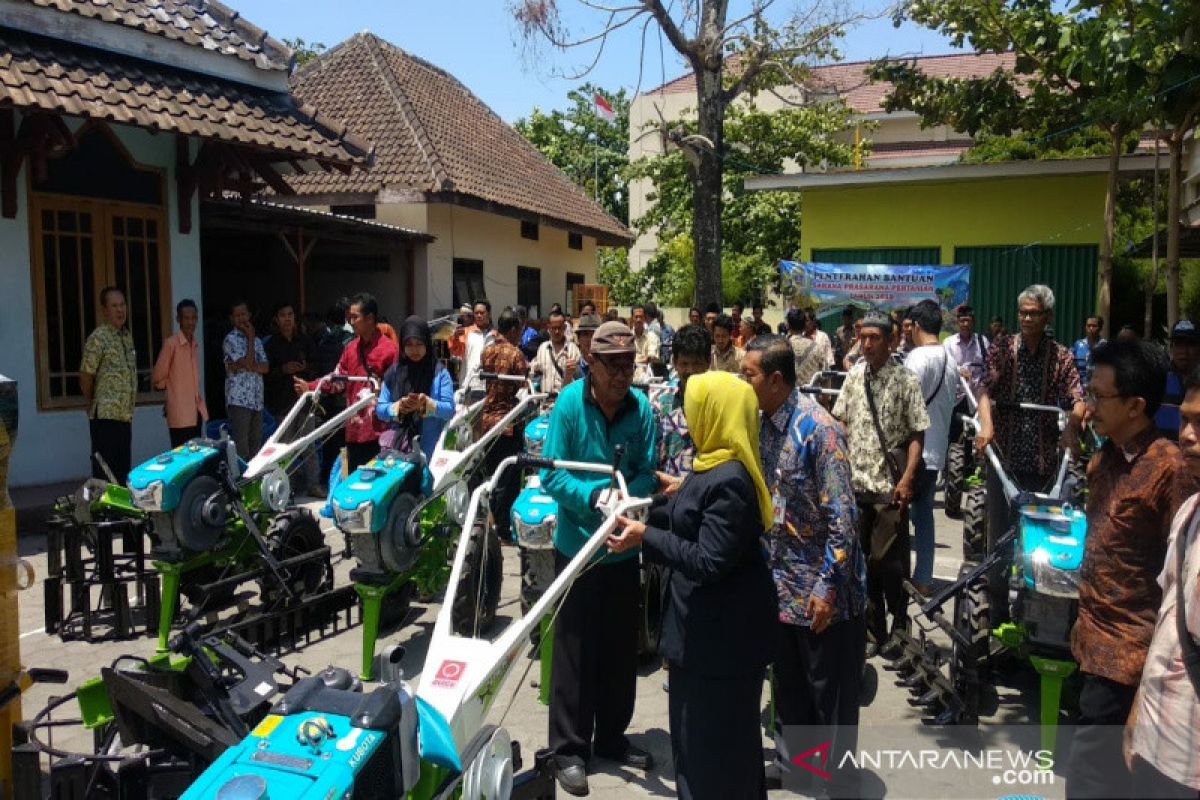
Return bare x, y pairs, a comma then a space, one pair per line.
1007, 767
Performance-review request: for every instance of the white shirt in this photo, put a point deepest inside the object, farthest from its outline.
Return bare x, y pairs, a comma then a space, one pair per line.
476, 343
931, 364
971, 354
551, 364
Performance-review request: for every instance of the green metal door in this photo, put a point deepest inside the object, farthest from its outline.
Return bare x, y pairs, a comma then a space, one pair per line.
998, 274
896, 256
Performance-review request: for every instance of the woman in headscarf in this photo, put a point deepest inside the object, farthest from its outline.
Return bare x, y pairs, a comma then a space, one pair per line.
417, 396
720, 607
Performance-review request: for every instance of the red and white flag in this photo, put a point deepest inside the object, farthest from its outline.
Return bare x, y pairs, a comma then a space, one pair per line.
604, 109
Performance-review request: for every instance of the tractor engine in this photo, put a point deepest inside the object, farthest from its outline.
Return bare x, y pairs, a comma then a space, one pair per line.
321, 742
373, 506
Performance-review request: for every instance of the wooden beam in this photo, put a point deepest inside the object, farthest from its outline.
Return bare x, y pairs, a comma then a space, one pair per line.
185, 183
10, 164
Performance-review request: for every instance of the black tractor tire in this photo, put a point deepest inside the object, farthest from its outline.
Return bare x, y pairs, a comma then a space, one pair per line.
478, 592
537, 573
193, 581
974, 514
292, 533
194, 529
970, 667
650, 608
956, 476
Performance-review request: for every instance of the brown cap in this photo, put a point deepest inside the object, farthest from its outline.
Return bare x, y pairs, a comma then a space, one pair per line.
588, 324
613, 338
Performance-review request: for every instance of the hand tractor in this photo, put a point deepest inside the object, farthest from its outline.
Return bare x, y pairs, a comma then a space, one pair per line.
403, 516
218, 522
1020, 596
155, 723
321, 742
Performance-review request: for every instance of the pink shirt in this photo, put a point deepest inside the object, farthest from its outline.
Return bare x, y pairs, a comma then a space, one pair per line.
178, 371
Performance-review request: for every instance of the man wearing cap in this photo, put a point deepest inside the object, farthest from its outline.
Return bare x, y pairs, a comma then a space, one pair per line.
1185, 356
884, 412
593, 671
584, 331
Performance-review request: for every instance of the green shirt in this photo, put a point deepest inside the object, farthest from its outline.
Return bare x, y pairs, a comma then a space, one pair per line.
579, 431
108, 354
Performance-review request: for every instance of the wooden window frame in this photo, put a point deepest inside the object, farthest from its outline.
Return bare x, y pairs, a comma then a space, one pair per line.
104, 274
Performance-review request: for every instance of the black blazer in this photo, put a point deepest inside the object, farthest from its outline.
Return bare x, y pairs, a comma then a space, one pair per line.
720, 608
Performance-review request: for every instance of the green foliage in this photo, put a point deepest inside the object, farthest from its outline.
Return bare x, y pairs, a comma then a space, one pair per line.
757, 229
1083, 143
586, 146
304, 51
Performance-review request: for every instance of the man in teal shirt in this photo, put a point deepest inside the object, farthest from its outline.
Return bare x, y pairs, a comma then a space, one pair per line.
593, 668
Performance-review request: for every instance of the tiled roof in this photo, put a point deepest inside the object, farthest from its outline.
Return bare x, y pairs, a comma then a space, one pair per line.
433, 137
849, 80
59, 77
203, 23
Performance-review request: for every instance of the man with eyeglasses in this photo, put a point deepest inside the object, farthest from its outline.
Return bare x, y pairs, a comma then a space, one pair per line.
593, 668
1027, 368
1136, 483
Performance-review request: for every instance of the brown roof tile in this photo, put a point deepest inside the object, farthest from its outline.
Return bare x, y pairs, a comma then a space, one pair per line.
47, 74
849, 80
433, 136
204, 23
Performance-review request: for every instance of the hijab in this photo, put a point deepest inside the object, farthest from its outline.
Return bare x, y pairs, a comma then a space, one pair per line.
722, 417
406, 377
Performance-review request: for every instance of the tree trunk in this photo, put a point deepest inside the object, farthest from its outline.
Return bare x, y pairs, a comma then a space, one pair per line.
1174, 188
1106, 243
708, 189
1152, 281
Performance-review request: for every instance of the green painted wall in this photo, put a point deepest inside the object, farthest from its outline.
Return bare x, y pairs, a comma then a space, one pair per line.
997, 211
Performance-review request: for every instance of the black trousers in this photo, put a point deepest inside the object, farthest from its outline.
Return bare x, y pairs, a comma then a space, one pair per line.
1097, 766
184, 435
113, 440
593, 664
509, 485
818, 682
360, 453
883, 534
1150, 783
716, 737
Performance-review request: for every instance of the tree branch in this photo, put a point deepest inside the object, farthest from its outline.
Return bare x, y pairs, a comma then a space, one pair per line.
685, 47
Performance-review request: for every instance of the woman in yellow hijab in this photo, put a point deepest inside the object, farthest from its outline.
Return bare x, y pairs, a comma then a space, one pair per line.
720, 610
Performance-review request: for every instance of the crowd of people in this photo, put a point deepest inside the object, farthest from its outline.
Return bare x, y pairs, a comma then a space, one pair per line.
787, 526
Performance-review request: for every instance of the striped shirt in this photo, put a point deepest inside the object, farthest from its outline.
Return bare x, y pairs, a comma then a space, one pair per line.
1167, 732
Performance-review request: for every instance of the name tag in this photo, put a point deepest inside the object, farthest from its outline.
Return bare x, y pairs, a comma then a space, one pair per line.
778, 509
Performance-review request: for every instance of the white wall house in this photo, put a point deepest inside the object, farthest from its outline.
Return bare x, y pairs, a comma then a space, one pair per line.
893, 139
113, 124
508, 225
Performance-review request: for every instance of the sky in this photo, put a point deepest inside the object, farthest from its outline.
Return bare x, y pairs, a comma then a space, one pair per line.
479, 43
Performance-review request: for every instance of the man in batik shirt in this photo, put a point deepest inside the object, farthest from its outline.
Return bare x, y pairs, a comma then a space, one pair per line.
815, 558
689, 356
1027, 368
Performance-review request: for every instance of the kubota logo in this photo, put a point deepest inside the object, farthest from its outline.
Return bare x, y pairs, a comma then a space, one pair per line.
802, 759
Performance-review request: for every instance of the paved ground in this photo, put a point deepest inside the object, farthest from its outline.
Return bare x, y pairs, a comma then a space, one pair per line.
888, 720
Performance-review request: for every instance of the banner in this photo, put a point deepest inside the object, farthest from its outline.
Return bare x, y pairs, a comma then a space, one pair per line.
885, 287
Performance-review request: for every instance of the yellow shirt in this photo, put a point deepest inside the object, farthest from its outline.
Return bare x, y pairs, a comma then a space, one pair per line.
108, 355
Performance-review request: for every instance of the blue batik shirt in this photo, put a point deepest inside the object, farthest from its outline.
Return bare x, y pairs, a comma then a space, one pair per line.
816, 550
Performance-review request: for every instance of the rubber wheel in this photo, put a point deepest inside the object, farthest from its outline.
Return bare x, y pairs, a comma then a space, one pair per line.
193, 530
478, 592
969, 665
292, 533
956, 475
651, 607
974, 514
537, 573
395, 551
